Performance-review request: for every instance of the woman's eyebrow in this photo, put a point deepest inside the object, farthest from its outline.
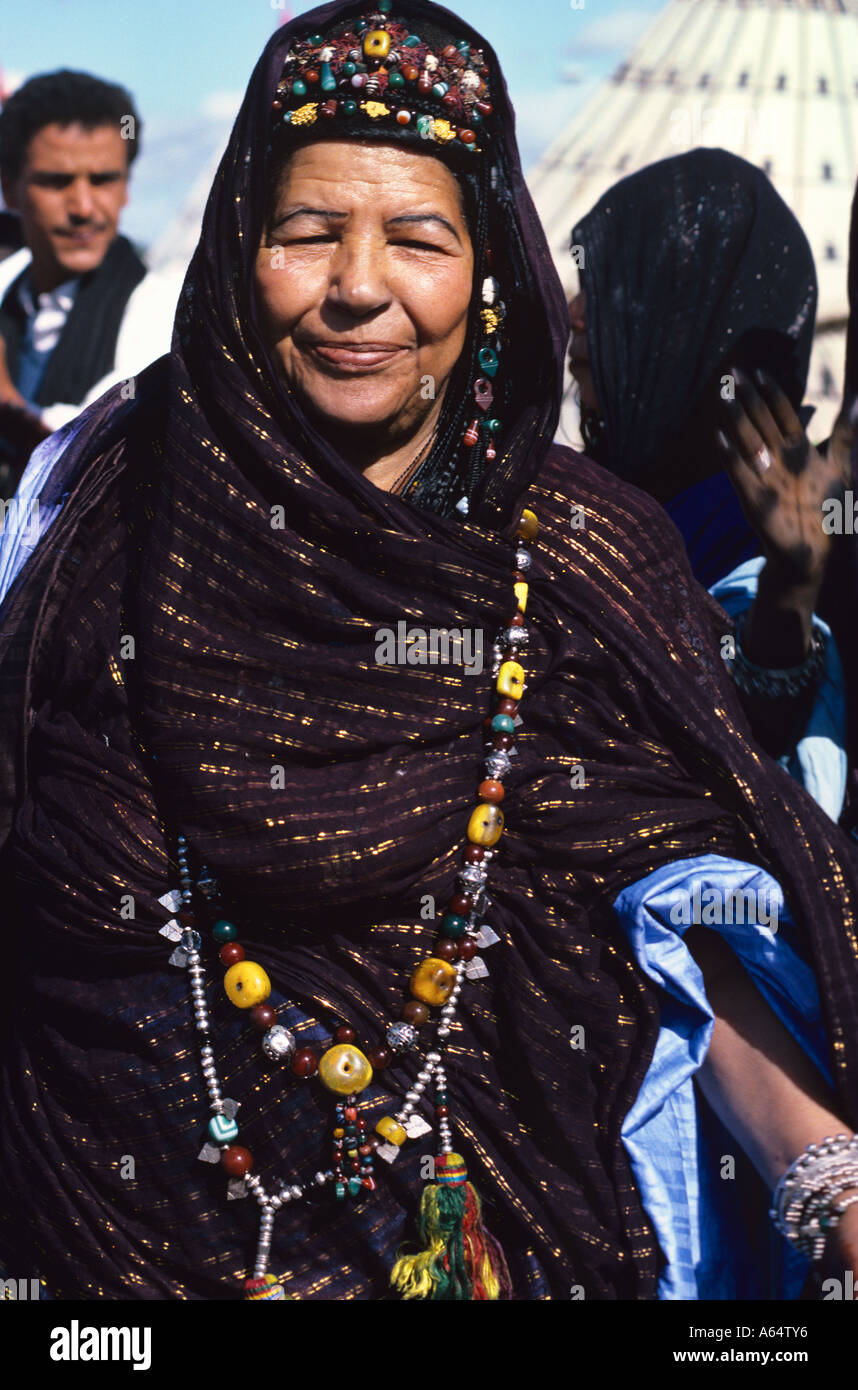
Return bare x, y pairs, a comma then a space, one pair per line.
424, 217
308, 212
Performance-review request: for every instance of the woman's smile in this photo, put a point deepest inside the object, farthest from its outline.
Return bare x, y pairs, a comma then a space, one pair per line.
353, 359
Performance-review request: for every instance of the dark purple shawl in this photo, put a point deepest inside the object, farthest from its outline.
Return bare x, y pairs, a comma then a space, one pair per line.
254, 649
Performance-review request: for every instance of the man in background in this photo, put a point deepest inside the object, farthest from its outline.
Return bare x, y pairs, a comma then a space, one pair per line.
78, 311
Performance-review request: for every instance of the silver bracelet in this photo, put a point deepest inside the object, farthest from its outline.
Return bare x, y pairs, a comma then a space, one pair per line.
805, 1206
777, 683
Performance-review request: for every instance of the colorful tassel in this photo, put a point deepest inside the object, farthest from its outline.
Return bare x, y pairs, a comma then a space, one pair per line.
461, 1261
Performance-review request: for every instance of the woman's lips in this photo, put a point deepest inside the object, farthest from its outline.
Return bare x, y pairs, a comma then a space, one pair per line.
356, 357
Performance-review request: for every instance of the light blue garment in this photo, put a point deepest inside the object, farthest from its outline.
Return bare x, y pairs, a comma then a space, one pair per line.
674, 1142
819, 759
27, 517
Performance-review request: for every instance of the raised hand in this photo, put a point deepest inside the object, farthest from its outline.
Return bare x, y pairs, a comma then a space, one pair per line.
781, 479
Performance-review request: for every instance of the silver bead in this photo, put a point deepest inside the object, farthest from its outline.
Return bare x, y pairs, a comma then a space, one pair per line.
296, 1191
434, 1058
517, 636
425, 1075
278, 1044
522, 559
320, 1179
275, 1203
443, 1031
401, 1036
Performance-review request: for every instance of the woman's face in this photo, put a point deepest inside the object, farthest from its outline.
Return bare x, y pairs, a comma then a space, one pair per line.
579, 352
364, 281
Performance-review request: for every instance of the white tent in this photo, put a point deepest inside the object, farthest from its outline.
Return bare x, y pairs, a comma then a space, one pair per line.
775, 81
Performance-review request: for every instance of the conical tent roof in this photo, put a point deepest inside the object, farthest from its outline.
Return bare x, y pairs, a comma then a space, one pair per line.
775, 81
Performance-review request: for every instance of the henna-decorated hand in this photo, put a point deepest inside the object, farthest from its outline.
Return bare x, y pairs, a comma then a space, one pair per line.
781, 479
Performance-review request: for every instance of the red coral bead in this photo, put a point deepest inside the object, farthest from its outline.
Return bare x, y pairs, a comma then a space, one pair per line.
379, 1058
474, 854
467, 948
442, 1111
231, 953
311, 75
237, 1161
507, 706
461, 903
304, 1062
445, 949
517, 620
414, 1013
502, 742
490, 790
263, 1017
451, 51
450, 100
410, 73
484, 107
351, 1114
345, 1034
466, 136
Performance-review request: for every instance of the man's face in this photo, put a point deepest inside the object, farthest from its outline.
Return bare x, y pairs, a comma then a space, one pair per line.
69, 193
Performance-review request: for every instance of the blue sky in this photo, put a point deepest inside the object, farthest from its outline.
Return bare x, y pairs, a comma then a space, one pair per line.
187, 61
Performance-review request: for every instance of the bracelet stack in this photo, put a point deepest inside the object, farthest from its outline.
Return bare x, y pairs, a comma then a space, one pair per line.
771, 683
804, 1207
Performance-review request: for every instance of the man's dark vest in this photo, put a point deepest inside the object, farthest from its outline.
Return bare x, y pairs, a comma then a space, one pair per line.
86, 348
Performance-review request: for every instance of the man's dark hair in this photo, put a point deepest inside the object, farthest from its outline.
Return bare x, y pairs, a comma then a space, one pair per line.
63, 98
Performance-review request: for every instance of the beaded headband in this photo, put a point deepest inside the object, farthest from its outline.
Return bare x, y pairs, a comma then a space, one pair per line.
377, 72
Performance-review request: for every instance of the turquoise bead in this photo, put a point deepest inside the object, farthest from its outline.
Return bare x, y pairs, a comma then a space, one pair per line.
492, 425
224, 931
453, 926
329, 82
424, 125
316, 40
503, 724
440, 89
360, 25
222, 1130
411, 42
395, 79
349, 108
488, 360
476, 119
464, 47
385, 6
349, 69
340, 1190
354, 1186
299, 88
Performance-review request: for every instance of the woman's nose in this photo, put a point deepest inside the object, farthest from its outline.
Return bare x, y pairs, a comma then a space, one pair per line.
357, 281
578, 312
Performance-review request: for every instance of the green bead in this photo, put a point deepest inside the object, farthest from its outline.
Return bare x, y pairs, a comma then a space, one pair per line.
354, 1186
441, 1098
340, 1190
476, 119
223, 931
329, 82
488, 360
503, 724
453, 926
299, 88
492, 425
464, 47
222, 1130
360, 25
349, 107
411, 42
316, 40
395, 79
349, 69
385, 6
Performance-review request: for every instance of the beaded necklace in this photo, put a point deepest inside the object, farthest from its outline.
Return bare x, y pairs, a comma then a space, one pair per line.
461, 1259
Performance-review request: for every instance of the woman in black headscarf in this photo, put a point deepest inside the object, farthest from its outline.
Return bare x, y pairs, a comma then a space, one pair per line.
691, 341
227, 693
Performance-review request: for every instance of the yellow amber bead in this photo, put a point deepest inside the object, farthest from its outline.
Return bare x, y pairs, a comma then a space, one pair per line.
376, 44
433, 980
339, 1133
246, 984
486, 824
521, 595
511, 680
344, 1069
528, 525
390, 1131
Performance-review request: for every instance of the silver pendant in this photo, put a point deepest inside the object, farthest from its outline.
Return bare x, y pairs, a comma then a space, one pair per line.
171, 930
172, 900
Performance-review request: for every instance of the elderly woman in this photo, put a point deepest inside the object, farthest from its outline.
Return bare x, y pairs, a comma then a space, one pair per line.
260, 902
